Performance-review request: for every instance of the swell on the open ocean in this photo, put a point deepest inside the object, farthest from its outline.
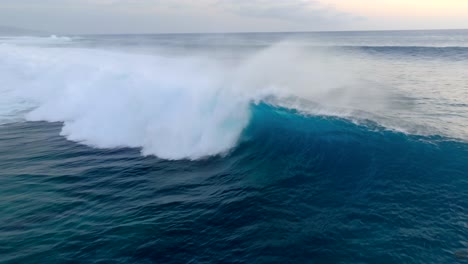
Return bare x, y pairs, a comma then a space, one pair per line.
178, 107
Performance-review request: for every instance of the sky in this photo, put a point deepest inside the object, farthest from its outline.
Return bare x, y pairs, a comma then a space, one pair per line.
178, 16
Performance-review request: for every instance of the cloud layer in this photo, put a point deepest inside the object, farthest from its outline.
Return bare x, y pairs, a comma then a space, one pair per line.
153, 16
136, 16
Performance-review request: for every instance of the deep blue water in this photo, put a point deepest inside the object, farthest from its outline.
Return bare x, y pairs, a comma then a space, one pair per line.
297, 187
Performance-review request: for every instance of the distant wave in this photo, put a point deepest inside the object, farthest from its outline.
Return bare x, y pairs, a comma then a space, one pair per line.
457, 53
35, 40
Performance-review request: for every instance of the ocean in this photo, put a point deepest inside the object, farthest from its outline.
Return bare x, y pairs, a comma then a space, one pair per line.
332, 147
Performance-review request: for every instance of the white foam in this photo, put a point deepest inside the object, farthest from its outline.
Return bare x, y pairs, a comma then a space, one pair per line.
174, 108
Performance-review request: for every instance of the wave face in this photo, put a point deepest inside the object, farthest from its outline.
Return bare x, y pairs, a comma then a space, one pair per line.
248, 148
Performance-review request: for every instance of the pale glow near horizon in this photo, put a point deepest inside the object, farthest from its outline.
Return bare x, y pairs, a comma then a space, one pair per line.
414, 8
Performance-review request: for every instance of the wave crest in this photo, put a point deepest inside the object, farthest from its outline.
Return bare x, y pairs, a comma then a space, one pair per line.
174, 108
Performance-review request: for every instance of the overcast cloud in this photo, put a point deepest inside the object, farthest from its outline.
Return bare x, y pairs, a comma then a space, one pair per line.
154, 16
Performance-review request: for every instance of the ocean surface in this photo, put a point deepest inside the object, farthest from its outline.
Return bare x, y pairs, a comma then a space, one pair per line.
341, 147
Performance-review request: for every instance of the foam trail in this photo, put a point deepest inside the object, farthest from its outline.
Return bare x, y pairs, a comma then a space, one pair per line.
174, 108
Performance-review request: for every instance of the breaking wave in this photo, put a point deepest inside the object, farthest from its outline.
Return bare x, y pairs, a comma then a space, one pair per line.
177, 107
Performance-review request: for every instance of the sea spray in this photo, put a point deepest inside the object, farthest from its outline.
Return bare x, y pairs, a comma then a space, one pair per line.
177, 107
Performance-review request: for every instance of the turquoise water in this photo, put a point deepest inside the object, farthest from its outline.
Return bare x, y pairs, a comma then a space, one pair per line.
268, 148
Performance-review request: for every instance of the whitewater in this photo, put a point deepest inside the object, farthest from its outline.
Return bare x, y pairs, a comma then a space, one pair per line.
194, 104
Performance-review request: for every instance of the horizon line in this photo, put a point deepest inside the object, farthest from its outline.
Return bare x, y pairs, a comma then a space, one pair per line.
45, 32
265, 32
